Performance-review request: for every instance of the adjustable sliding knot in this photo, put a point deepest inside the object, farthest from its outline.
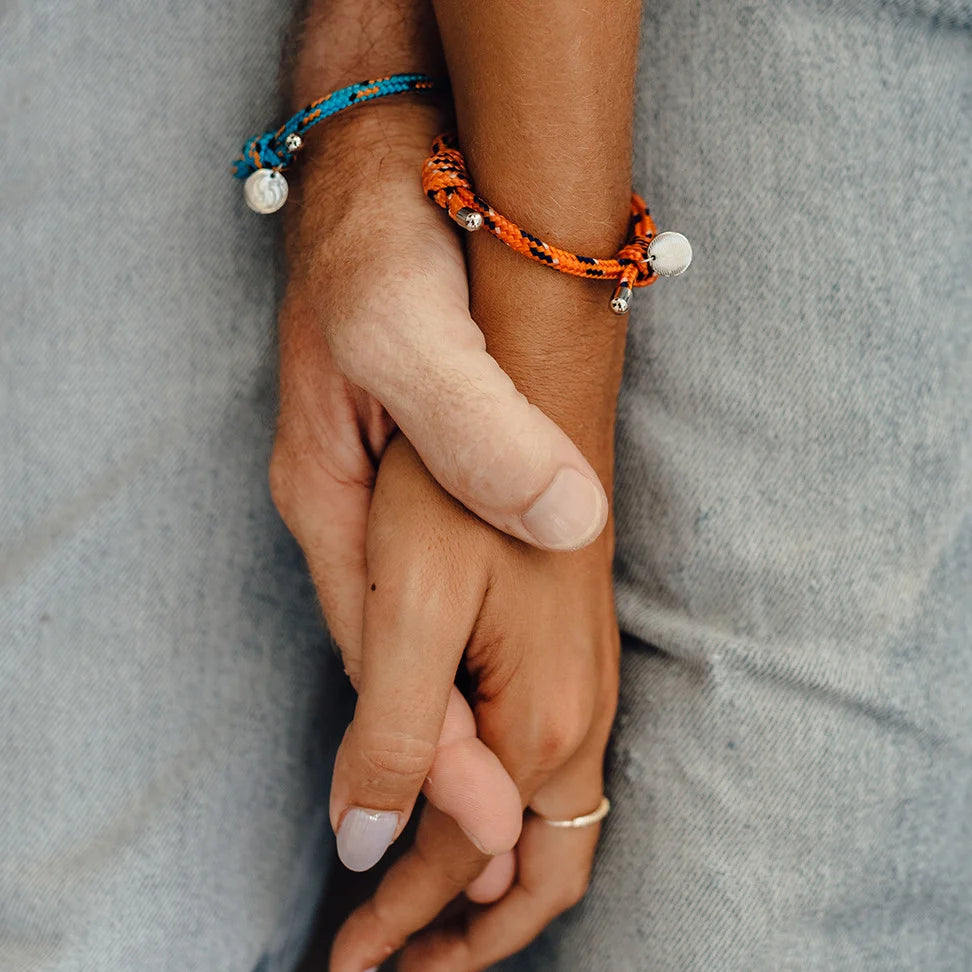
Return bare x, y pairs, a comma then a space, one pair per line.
271, 150
646, 256
446, 182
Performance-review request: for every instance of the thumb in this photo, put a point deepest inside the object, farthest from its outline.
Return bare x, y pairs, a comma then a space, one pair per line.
469, 783
500, 456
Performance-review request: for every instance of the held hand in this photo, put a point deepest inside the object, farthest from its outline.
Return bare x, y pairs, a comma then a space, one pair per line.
541, 645
374, 329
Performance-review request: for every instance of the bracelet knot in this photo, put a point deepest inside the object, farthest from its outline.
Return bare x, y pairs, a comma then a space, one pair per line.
266, 151
446, 182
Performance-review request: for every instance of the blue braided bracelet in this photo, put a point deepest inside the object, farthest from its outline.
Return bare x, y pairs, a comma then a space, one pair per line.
264, 157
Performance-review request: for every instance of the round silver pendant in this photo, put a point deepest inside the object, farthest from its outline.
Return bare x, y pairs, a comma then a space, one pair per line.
265, 191
669, 254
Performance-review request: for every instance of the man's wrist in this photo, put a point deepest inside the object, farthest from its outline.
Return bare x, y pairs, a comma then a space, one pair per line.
357, 166
345, 41
387, 140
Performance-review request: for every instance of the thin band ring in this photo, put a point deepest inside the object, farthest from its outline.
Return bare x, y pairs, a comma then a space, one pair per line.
584, 820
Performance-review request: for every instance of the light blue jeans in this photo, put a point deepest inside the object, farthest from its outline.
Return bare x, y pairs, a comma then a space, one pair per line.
792, 765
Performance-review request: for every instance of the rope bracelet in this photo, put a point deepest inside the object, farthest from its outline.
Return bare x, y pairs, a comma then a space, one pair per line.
264, 157
640, 262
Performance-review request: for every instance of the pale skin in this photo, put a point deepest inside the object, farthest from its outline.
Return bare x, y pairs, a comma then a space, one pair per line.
412, 583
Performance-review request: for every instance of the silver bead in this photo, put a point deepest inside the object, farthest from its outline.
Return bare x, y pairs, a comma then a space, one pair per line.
621, 301
469, 219
669, 254
265, 191
293, 142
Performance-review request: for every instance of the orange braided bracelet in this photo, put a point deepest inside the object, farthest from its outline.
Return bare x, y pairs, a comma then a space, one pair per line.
640, 262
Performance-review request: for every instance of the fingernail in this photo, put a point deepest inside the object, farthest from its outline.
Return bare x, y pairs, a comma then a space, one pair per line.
364, 836
474, 840
569, 513
374, 968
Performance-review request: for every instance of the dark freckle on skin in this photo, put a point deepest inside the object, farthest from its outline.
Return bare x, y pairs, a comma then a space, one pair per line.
373, 586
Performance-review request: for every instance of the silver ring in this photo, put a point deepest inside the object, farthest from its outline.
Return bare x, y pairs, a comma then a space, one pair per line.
584, 820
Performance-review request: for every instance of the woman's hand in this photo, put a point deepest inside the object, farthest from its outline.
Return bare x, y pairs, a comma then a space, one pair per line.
539, 639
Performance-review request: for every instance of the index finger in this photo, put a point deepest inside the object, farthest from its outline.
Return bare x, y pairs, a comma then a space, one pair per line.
420, 608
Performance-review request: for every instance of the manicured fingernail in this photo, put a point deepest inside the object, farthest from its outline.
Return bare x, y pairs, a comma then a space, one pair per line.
569, 514
364, 836
373, 968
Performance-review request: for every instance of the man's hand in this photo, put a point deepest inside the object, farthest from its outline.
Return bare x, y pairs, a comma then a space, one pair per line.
379, 276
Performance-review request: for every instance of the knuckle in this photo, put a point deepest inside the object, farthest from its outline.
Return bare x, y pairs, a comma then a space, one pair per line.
570, 891
280, 477
389, 924
558, 736
439, 954
554, 745
498, 453
391, 761
454, 872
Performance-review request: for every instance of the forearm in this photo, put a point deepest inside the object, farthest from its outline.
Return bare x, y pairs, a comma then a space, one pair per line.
380, 143
545, 122
543, 95
343, 41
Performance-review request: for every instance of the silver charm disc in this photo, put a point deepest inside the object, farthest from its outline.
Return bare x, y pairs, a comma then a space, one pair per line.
669, 254
265, 191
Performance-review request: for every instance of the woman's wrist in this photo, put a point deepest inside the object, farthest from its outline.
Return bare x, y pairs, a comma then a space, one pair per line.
545, 125
557, 338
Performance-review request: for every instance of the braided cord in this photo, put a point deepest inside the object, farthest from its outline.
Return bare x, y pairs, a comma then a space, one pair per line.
269, 150
446, 182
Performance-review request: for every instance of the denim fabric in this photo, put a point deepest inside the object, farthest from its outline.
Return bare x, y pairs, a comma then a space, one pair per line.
792, 763
792, 766
164, 677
